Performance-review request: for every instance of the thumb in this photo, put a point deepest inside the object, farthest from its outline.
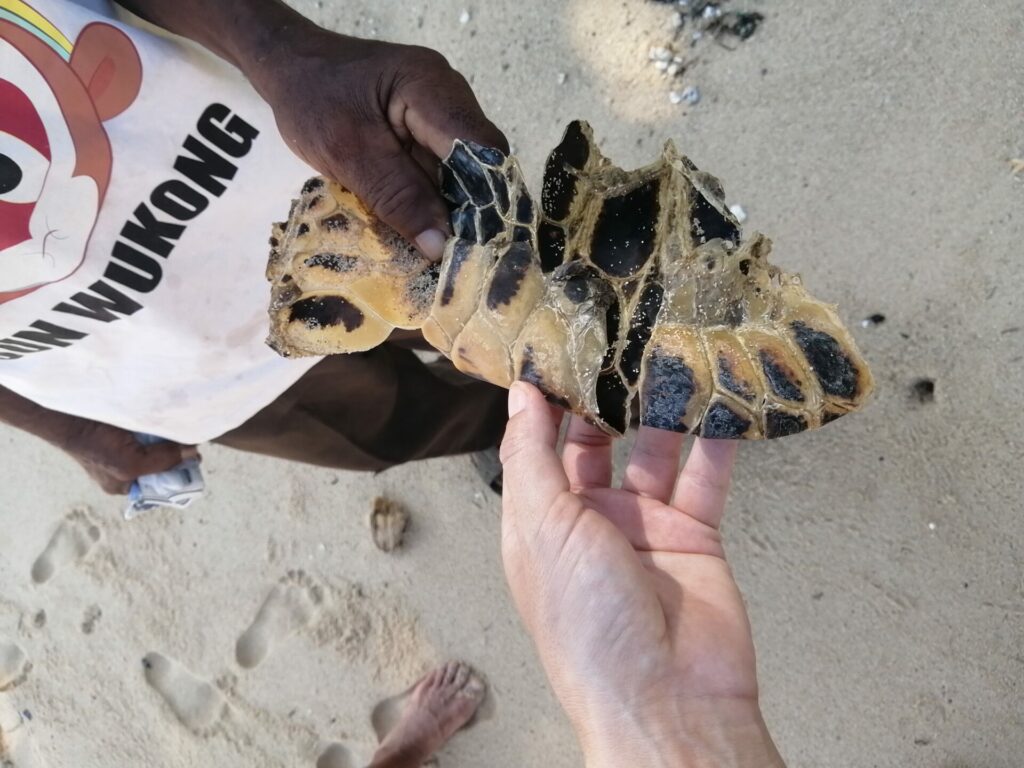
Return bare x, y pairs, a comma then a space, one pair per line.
439, 115
397, 189
534, 476
160, 457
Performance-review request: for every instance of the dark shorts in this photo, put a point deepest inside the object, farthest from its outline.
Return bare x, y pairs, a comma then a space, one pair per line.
372, 410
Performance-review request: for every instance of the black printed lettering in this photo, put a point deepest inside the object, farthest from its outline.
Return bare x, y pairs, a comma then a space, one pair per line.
152, 234
150, 269
206, 166
109, 305
226, 131
53, 335
132, 264
178, 199
21, 346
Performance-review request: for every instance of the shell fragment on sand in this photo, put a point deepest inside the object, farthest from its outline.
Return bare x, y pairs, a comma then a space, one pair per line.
614, 285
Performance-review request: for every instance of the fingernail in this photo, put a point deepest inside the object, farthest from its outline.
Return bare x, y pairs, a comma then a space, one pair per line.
189, 452
516, 399
431, 243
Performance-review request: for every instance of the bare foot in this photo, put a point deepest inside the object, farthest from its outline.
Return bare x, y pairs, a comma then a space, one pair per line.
440, 704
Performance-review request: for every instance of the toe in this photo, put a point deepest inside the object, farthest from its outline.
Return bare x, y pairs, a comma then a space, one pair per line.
451, 669
475, 688
461, 677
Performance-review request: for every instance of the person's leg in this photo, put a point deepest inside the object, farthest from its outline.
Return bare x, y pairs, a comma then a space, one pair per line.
372, 410
440, 704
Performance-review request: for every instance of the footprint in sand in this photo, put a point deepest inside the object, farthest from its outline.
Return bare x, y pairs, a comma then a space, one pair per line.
335, 756
17, 747
291, 605
70, 543
195, 702
14, 665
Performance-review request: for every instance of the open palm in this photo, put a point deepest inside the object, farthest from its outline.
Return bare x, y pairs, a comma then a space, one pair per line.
625, 591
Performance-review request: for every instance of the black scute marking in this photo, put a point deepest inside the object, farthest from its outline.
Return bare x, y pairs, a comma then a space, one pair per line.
827, 417
612, 400
460, 253
611, 324
551, 240
336, 223
728, 381
508, 275
579, 282
500, 187
779, 379
835, 371
334, 261
464, 224
723, 423
521, 234
558, 190
574, 148
623, 238
666, 392
641, 324
489, 155
734, 314
529, 373
524, 210
707, 222
472, 175
302, 230
490, 225
780, 424
451, 188
313, 184
325, 312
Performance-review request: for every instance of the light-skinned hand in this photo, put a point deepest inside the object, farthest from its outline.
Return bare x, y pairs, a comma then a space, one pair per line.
626, 592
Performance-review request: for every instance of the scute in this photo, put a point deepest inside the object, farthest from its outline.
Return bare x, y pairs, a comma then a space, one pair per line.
618, 285
623, 238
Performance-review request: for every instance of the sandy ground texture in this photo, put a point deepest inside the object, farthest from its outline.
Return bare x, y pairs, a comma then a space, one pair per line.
882, 558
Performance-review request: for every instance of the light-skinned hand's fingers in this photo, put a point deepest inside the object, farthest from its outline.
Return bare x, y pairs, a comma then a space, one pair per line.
652, 526
704, 482
438, 116
653, 463
534, 476
587, 456
395, 187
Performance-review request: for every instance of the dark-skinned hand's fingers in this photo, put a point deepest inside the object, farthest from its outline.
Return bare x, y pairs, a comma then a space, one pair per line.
653, 463
159, 457
587, 456
436, 116
534, 477
426, 160
704, 482
387, 178
652, 526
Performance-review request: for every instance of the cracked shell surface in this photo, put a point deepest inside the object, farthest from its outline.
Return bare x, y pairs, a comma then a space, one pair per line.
618, 285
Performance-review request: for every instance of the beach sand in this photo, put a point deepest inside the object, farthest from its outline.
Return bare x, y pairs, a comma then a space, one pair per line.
882, 558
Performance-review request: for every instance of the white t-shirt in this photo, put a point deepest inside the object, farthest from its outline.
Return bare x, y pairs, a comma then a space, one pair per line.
139, 177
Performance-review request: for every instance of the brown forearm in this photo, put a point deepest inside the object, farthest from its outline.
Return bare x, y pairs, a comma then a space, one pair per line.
52, 426
243, 32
